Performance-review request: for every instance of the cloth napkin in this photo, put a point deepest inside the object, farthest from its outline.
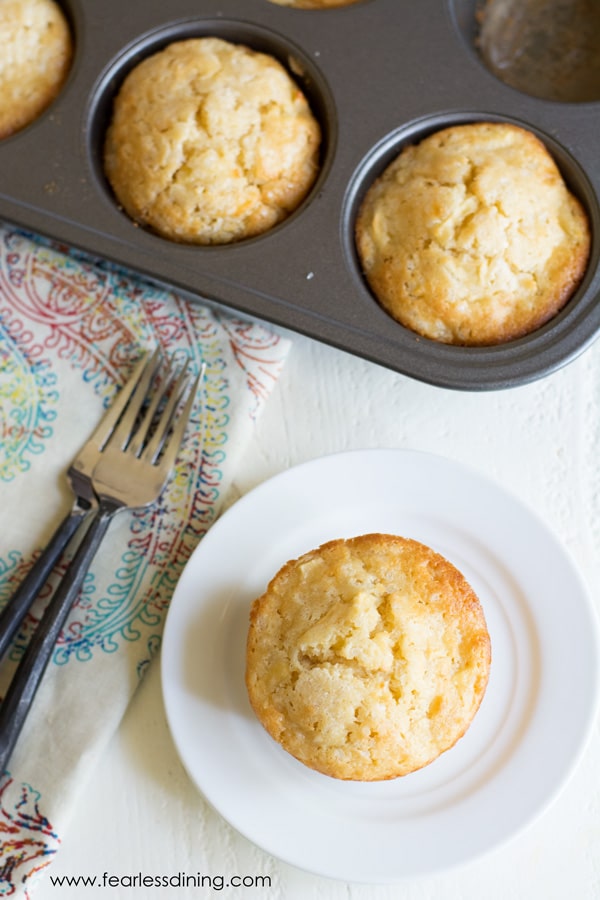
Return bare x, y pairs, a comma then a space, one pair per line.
71, 329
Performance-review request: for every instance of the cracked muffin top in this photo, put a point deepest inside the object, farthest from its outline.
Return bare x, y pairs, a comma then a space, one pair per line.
472, 236
368, 657
316, 4
34, 62
210, 142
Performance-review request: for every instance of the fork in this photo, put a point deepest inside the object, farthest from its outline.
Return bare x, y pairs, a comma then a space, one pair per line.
130, 474
79, 475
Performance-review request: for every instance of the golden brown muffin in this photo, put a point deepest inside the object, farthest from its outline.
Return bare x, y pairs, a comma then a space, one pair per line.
211, 142
315, 4
34, 61
367, 658
472, 237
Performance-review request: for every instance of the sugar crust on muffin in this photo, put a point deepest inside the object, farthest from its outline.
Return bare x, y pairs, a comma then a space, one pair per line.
368, 657
211, 142
34, 62
472, 237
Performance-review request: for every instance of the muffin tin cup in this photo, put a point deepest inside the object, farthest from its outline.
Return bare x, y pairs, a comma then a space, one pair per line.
378, 74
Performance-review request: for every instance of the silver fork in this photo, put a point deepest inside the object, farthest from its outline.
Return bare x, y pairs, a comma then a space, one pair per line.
130, 474
79, 475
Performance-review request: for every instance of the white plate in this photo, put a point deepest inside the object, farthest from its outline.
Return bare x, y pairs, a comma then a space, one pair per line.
528, 733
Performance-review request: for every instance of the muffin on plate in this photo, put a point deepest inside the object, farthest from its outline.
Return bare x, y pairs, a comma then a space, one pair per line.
210, 142
34, 62
472, 237
368, 657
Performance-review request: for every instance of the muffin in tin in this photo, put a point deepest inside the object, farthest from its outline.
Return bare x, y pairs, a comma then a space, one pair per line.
472, 237
37, 50
316, 4
211, 142
368, 657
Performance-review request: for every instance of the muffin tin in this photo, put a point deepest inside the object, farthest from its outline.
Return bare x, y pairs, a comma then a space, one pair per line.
378, 74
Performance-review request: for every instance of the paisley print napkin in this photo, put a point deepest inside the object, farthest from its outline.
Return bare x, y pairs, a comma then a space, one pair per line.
70, 330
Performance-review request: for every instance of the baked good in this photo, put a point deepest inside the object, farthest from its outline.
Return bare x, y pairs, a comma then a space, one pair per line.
35, 60
210, 142
472, 237
368, 657
315, 4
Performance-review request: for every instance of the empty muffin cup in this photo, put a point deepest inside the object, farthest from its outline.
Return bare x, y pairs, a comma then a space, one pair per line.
545, 48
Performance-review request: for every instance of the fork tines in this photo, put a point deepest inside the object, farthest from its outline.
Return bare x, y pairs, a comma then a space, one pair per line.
143, 430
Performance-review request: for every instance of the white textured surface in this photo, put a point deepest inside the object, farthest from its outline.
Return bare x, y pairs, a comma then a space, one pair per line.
540, 441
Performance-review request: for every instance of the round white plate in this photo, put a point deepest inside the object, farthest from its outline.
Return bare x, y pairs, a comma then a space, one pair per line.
525, 739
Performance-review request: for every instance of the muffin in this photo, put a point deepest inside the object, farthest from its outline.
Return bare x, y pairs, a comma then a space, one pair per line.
315, 4
472, 237
35, 60
210, 142
368, 657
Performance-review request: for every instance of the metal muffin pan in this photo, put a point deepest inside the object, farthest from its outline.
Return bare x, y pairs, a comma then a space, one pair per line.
378, 74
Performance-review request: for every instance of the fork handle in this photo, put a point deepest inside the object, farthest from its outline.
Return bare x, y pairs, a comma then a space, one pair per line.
21, 691
21, 600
